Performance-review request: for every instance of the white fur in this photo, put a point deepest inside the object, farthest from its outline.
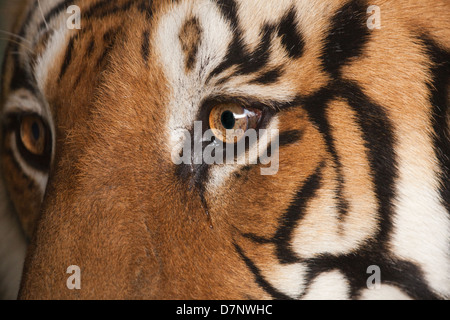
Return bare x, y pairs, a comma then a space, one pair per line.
321, 231
46, 61
421, 224
288, 279
385, 292
329, 286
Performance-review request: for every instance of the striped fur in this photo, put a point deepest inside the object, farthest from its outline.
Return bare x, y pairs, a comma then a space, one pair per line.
364, 129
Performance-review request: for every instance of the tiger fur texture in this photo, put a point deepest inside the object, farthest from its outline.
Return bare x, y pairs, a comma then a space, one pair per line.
92, 116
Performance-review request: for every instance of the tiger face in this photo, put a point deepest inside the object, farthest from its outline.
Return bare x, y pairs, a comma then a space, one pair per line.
106, 170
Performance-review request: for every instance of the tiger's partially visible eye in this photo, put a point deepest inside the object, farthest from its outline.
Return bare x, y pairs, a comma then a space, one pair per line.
229, 122
34, 135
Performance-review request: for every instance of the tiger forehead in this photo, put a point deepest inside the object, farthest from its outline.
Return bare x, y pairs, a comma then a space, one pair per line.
217, 18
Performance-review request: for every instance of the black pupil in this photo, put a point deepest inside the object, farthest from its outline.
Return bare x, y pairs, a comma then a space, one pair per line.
228, 120
36, 131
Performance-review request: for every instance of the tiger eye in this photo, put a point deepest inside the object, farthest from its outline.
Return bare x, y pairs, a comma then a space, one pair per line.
229, 122
33, 134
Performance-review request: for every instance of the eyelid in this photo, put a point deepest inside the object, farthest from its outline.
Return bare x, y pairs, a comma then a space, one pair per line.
22, 102
12, 120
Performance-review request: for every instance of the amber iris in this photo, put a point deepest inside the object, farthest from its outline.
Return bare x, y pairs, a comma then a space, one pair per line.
229, 122
33, 135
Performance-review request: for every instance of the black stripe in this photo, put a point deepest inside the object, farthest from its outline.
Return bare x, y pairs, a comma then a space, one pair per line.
25, 25
21, 78
345, 42
67, 57
284, 139
78, 79
247, 62
110, 34
243, 171
316, 107
145, 7
257, 239
379, 139
377, 131
255, 61
347, 38
269, 77
230, 12
378, 134
62, 6
89, 51
263, 283
289, 221
291, 39
191, 49
100, 9
91, 47
295, 212
236, 52
109, 39
107, 8
440, 95
31, 11
145, 47
402, 274
290, 137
